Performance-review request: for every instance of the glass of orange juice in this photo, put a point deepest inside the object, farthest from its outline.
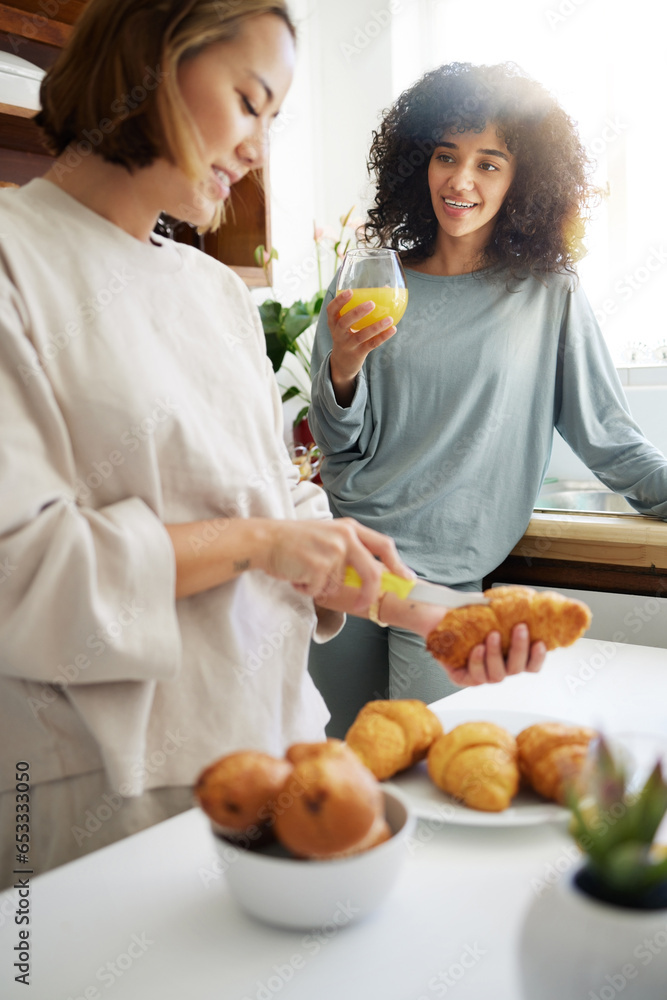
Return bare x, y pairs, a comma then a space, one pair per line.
374, 276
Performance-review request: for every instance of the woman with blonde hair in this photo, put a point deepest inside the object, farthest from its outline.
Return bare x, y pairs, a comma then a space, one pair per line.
163, 569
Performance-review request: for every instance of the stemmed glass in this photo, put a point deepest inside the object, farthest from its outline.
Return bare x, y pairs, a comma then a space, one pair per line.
377, 276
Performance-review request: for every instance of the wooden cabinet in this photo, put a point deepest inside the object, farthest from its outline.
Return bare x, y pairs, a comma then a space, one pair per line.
624, 554
36, 30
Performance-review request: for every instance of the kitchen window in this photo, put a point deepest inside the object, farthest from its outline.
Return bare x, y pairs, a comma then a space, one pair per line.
603, 61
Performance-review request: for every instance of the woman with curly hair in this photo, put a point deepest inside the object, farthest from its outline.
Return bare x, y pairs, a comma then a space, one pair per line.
440, 434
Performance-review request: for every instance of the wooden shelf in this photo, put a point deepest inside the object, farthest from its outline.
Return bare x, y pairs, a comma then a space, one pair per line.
15, 111
28, 19
563, 574
247, 225
22, 155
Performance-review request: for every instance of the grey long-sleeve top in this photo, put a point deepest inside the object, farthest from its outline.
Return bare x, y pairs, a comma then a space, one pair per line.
448, 437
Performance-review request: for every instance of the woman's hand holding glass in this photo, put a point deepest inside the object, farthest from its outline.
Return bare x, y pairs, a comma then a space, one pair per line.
371, 299
351, 349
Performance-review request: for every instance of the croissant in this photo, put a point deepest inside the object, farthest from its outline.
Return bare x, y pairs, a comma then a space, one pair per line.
331, 806
552, 756
552, 618
476, 763
298, 752
389, 736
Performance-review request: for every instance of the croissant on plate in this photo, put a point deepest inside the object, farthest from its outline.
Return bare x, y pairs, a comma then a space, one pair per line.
389, 736
476, 763
552, 756
552, 618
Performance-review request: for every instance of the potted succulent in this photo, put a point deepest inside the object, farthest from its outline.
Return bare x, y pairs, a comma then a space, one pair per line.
602, 929
284, 326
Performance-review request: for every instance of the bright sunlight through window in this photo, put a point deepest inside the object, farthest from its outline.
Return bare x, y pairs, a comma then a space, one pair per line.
604, 62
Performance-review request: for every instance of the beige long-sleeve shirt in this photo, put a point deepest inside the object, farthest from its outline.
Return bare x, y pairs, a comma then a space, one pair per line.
135, 392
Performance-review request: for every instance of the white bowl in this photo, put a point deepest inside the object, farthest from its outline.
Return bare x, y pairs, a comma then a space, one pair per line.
277, 888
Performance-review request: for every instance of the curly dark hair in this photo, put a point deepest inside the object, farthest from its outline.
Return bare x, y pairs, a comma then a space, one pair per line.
541, 222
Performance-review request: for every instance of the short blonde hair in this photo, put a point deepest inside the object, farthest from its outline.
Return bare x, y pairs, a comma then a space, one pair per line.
114, 88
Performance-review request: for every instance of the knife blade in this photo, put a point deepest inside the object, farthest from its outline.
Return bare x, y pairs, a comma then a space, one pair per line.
420, 590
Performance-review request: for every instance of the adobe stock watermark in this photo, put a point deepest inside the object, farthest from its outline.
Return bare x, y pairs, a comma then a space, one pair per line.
565, 9
401, 683
69, 673
225, 7
591, 666
258, 481
366, 33
448, 979
554, 870
633, 281
645, 952
87, 311
434, 481
429, 826
9, 906
634, 620
121, 108
312, 944
388, 354
111, 802
533, 548
271, 644
243, 330
109, 973
33, 23
419, 156
130, 441
7, 567
297, 273
280, 124
612, 129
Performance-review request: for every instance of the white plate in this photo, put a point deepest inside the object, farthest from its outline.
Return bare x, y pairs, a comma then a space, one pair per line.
428, 802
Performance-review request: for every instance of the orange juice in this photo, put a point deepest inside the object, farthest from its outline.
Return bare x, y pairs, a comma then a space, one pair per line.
388, 302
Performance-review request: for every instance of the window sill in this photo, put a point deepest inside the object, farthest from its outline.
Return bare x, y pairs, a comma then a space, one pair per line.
640, 375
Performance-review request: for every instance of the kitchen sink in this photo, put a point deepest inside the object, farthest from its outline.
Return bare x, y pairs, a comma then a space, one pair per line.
589, 497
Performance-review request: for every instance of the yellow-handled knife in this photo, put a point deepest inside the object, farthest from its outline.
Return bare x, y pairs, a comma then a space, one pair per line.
420, 590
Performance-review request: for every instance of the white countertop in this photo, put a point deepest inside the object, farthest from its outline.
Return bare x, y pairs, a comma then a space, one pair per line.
149, 917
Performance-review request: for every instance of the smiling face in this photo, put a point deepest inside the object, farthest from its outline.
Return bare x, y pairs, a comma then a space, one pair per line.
233, 91
469, 176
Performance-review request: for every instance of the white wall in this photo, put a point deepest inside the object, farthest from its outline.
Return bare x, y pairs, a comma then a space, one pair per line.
648, 406
343, 81
293, 167
318, 156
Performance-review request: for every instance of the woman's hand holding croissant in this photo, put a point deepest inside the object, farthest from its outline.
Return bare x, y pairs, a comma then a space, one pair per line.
486, 643
486, 663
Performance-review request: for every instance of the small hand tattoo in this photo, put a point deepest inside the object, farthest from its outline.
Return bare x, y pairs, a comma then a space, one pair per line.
241, 565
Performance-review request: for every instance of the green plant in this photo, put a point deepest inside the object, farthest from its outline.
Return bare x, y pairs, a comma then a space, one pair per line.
284, 325
616, 826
